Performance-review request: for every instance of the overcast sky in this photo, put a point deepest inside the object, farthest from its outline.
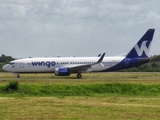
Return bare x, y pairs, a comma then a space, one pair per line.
49, 28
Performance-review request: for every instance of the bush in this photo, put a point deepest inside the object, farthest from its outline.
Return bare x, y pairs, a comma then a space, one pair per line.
13, 86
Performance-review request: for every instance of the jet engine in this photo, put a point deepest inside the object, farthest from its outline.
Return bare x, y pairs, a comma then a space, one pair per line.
62, 71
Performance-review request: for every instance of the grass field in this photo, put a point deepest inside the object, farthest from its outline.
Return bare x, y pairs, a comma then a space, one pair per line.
94, 78
96, 108
101, 107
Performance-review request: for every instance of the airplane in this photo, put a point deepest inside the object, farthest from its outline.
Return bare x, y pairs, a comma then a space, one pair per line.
64, 66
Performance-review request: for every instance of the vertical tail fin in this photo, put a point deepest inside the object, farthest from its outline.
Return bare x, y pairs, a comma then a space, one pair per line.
142, 48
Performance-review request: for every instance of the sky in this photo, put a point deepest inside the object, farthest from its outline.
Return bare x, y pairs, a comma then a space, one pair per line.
48, 28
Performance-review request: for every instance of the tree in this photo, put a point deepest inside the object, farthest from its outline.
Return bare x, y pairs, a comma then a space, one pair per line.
4, 60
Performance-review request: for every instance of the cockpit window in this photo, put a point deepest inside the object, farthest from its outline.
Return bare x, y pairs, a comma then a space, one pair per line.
11, 63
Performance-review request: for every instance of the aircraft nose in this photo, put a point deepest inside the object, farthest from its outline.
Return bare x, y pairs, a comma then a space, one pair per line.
5, 67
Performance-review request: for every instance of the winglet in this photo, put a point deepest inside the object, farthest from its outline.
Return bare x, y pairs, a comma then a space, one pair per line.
101, 58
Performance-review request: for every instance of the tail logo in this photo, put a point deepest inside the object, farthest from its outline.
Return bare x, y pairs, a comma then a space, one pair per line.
142, 48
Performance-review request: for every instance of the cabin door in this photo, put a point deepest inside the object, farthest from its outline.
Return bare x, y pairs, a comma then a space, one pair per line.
21, 65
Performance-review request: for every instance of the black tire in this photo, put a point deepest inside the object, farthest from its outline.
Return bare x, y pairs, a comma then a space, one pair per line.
79, 75
18, 76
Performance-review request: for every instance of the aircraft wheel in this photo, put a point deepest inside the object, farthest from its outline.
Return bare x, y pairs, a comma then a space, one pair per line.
79, 75
18, 76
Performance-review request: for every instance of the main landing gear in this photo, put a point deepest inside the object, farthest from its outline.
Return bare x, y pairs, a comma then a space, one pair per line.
18, 76
79, 75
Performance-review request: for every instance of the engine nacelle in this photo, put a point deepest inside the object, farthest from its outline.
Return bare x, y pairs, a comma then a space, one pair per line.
62, 72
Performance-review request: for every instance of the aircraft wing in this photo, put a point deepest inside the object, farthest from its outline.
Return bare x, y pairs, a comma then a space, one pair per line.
84, 68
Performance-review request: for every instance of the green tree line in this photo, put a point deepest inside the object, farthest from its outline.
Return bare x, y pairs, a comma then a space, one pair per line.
4, 60
152, 66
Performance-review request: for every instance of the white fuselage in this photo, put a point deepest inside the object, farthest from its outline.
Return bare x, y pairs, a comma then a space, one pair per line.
44, 65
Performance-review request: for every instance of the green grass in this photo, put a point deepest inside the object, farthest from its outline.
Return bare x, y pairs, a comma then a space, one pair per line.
98, 84
99, 96
81, 90
81, 108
